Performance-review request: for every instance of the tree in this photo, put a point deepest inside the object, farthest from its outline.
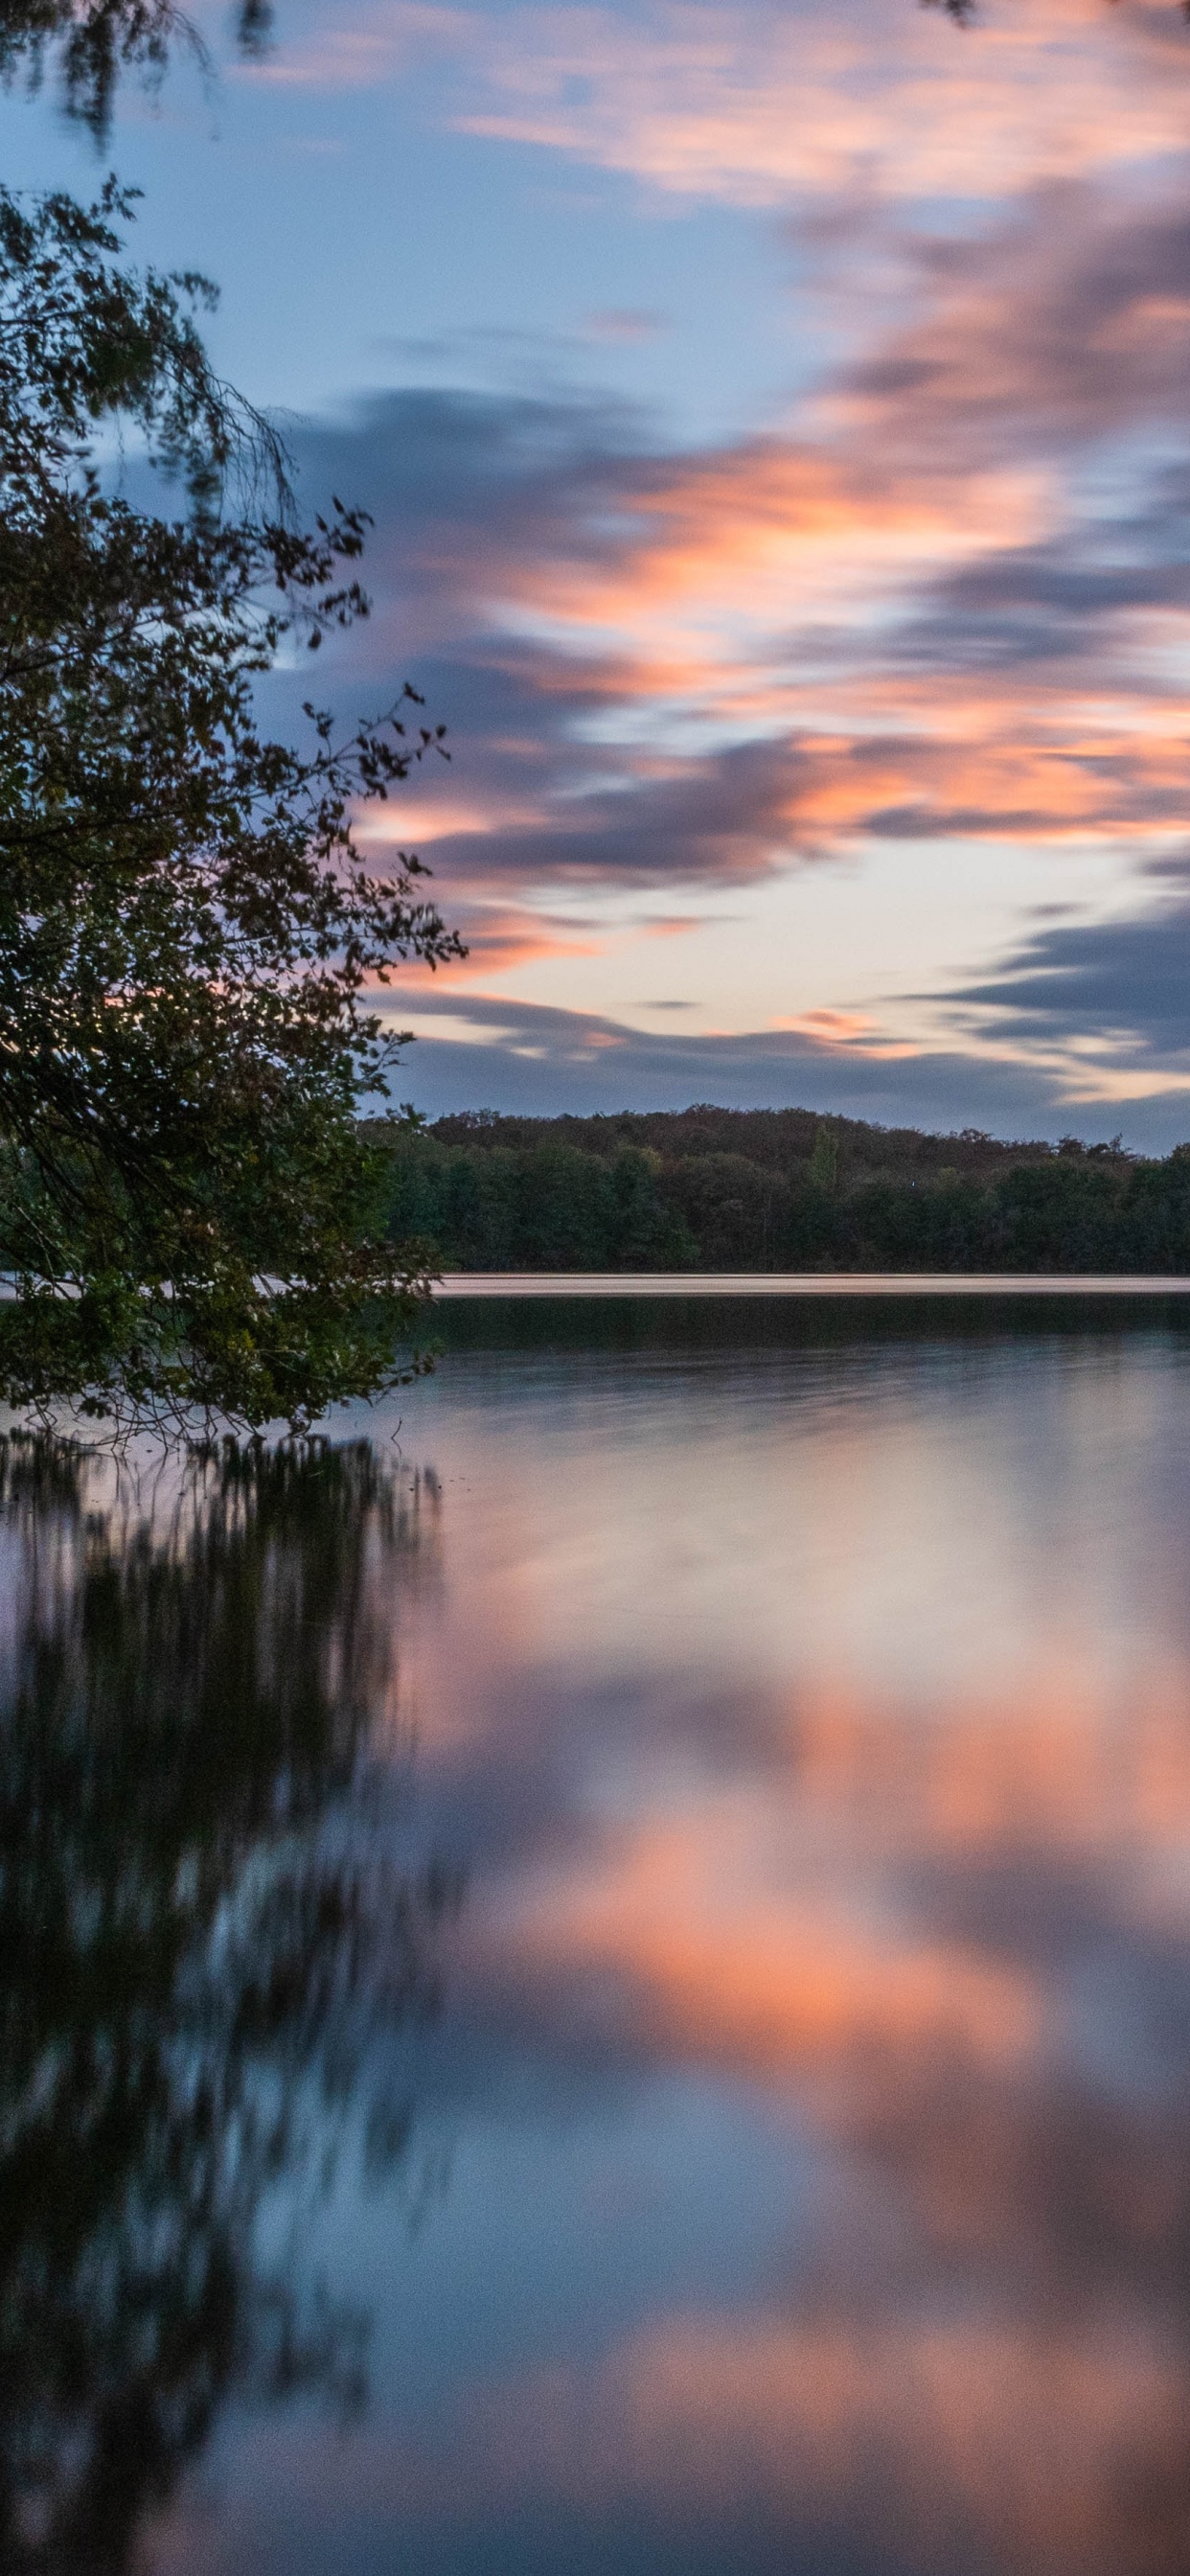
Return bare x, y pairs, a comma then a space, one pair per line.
95, 40
187, 930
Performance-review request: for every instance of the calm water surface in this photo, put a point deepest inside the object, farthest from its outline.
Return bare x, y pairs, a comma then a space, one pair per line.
608, 1988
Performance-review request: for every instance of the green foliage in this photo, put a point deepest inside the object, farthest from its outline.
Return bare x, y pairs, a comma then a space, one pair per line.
186, 927
547, 1208
778, 1190
824, 1161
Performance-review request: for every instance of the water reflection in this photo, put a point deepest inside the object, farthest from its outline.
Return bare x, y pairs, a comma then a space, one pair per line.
820, 1719
812, 1717
197, 1943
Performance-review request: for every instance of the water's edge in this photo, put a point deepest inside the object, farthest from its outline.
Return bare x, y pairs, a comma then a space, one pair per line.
800, 1283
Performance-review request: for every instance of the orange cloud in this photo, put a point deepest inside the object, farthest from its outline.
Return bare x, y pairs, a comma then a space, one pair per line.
945, 2440
766, 1978
771, 1929
942, 599
927, 2435
757, 107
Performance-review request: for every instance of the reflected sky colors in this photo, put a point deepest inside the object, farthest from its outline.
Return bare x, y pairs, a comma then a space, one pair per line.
774, 422
798, 2174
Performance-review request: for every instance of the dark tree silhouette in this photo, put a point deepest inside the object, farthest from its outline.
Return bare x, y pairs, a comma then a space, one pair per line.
91, 42
196, 1943
187, 929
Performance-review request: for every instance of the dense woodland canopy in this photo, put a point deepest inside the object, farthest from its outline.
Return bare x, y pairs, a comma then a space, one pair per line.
777, 1189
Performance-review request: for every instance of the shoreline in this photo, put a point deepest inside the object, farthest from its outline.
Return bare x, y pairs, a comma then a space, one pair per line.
794, 1283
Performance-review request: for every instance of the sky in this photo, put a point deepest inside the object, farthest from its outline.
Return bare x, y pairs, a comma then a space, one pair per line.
774, 422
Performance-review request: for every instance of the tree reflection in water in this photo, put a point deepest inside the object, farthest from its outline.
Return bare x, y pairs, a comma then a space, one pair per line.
198, 1938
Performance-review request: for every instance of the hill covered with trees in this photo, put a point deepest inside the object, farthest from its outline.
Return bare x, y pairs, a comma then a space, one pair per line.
776, 1189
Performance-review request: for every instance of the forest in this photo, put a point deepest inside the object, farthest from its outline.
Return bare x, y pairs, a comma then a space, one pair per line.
774, 1189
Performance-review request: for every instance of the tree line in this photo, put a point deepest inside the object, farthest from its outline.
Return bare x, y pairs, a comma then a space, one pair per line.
718, 1189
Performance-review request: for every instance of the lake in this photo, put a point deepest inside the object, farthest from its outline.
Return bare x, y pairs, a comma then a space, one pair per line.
599, 1980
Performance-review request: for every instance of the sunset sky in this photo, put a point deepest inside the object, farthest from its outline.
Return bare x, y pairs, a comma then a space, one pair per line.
776, 423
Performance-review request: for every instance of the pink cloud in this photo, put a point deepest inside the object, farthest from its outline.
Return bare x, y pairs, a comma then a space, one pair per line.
760, 106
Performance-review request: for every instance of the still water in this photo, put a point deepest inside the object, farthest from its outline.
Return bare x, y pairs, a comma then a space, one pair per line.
600, 1981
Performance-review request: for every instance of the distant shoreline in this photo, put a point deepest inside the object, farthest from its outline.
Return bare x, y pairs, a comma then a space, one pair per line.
778, 1195
841, 1283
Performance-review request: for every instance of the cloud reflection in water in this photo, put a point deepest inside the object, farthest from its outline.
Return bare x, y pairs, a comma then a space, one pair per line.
821, 1721
812, 1720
